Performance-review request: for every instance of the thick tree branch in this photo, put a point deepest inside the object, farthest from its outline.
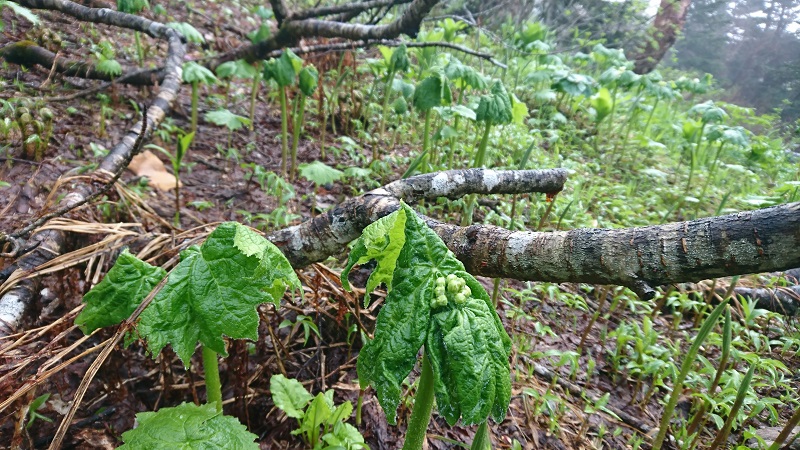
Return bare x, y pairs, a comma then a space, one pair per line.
348, 8
758, 241
328, 233
291, 31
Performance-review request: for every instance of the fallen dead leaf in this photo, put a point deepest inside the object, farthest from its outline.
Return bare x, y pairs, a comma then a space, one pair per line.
146, 164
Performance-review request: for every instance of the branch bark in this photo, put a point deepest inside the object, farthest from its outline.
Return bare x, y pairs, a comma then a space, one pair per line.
662, 35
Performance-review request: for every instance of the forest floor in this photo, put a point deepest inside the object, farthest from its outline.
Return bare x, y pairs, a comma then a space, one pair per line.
216, 188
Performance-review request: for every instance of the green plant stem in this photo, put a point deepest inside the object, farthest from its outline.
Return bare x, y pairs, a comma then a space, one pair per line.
213, 385
480, 160
423, 406
253, 94
139, 51
298, 126
483, 438
427, 131
195, 94
284, 131
694, 153
384, 111
677, 389
722, 436
359, 404
787, 430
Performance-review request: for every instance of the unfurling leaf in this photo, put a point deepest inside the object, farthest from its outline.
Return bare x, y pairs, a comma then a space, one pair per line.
284, 69
495, 107
309, 78
432, 91
190, 427
121, 291
399, 61
195, 73
602, 104
381, 241
188, 31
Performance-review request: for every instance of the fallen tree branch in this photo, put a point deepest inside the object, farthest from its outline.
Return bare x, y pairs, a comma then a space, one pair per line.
291, 31
348, 8
49, 243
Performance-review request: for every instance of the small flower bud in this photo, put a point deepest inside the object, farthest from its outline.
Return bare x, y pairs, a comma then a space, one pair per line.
460, 299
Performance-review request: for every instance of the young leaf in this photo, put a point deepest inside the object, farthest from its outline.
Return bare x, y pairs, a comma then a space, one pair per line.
188, 31
188, 426
382, 241
495, 107
284, 69
109, 67
309, 77
464, 76
289, 395
214, 291
119, 293
195, 73
318, 412
399, 61
519, 110
602, 103
463, 336
432, 91
320, 173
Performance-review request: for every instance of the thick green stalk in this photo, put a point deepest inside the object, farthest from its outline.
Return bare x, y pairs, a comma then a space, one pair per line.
195, 93
787, 430
677, 389
298, 126
284, 131
213, 385
423, 406
694, 153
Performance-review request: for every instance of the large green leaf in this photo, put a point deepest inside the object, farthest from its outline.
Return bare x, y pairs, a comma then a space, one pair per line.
195, 73
224, 117
119, 293
188, 31
320, 173
188, 426
214, 291
432, 91
463, 335
464, 76
289, 395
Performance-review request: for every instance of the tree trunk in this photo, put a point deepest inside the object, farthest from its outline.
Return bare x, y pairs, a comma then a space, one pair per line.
663, 33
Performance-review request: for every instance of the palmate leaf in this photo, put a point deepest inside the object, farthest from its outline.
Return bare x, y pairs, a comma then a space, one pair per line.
119, 293
214, 290
188, 426
320, 173
195, 73
188, 31
224, 117
466, 343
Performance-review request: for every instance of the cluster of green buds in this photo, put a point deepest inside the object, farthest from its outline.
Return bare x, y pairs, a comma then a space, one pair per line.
451, 288
35, 133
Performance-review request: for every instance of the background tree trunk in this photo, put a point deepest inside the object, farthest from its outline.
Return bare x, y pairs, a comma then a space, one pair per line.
663, 33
